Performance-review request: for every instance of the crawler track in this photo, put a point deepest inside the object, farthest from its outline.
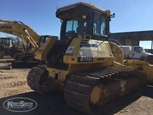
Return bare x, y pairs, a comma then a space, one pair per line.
34, 77
87, 91
79, 86
116, 104
24, 64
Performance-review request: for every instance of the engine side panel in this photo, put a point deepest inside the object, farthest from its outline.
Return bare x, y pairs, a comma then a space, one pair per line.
88, 51
41, 53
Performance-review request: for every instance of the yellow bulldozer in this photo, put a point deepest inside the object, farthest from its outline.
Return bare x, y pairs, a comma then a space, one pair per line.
30, 39
81, 62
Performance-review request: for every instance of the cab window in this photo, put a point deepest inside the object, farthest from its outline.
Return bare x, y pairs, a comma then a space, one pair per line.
71, 26
99, 26
43, 39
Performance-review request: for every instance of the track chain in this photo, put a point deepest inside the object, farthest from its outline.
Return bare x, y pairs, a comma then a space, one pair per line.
34, 77
79, 86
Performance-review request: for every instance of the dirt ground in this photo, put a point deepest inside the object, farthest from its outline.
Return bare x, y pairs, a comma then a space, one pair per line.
13, 84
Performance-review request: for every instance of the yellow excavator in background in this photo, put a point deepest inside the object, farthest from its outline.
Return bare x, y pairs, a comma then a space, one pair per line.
81, 62
31, 40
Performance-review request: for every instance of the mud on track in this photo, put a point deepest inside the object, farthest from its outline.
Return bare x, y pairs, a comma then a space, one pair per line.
13, 84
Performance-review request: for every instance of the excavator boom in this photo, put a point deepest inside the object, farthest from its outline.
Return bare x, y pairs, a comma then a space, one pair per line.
21, 30
31, 41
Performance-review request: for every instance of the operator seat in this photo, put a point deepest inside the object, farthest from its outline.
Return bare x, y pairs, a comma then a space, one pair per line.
81, 29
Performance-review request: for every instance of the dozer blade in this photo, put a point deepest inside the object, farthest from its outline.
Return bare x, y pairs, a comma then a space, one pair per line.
24, 64
86, 91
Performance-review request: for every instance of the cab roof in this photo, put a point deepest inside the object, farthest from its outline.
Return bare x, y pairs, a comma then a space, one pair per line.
89, 5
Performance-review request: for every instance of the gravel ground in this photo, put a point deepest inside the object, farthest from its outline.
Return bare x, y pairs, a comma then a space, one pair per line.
13, 84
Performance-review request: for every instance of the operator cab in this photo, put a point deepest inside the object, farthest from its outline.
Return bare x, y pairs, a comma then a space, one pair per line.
79, 20
83, 19
43, 39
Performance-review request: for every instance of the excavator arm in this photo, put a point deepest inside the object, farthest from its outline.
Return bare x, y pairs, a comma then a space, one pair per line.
21, 30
